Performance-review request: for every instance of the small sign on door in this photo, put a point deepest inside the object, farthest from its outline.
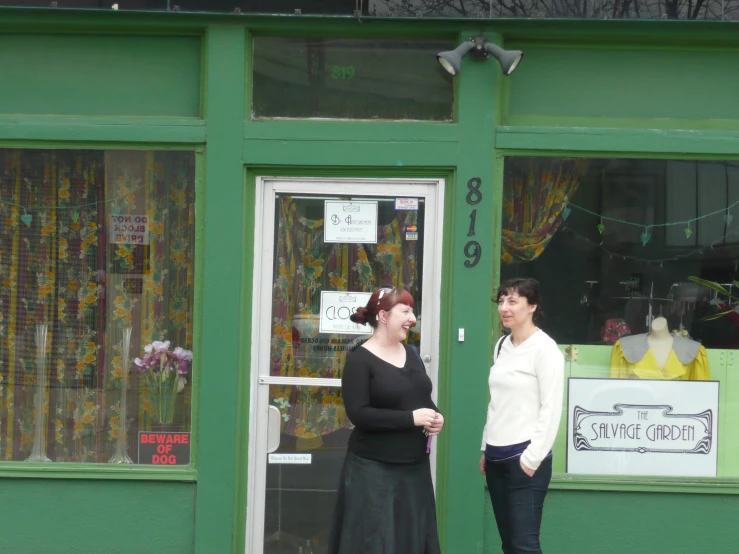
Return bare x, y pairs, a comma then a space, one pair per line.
290, 458
350, 221
336, 309
406, 204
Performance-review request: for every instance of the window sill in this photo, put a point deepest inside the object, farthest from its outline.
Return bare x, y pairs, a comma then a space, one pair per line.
26, 470
645, 484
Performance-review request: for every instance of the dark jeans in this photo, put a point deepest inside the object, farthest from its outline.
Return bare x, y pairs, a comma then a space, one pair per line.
518, 501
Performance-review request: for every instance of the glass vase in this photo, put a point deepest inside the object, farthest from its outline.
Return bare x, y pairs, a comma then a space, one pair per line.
120, 456
38, 452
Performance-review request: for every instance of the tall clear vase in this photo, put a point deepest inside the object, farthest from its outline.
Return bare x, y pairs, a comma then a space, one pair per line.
121, 446
38, 452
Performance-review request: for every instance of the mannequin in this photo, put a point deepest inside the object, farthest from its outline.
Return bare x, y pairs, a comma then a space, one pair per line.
660, 341
659, 355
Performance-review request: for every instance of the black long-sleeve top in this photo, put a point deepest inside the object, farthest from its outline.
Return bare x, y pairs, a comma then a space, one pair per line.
380, 399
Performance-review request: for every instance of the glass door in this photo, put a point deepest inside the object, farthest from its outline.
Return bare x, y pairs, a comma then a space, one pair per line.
323, 246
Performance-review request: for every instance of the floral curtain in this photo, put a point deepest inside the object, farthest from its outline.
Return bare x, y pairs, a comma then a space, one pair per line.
305, 266
533, 206
59, 267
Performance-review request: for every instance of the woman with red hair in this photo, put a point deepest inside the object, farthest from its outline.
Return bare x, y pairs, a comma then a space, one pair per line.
385, 502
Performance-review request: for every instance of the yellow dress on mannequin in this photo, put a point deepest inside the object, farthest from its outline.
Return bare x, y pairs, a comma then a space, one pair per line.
632, 359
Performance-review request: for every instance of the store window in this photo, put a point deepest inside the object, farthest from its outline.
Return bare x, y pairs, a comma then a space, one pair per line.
619, 247
350, 79
97, 265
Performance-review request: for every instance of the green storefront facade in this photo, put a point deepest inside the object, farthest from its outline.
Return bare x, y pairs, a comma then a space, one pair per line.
182, 82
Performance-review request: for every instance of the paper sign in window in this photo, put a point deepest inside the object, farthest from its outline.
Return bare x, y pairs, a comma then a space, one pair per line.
128, 229
336, 309
350, 222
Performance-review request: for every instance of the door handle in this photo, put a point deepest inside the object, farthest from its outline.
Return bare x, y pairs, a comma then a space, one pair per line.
274, 421
427, 358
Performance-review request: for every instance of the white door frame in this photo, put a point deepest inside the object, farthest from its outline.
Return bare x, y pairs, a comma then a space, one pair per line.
432, 190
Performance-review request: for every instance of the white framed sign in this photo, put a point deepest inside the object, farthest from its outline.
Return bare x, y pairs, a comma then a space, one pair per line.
406, 204
337, 307
642, 427
350, 221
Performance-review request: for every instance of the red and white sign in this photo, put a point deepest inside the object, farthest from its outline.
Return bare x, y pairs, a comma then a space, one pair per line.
406, 203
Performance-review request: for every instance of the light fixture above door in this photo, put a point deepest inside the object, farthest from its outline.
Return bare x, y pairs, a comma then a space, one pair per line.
479, 48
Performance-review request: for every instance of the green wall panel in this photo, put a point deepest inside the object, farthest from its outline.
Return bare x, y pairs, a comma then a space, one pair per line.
624, 83
464, 366
638, 523
96, 517
100, 75
218, 495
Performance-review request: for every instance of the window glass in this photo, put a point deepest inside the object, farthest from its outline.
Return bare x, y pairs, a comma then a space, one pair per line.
350, 79
550, 9
96, 262
617, 245
716, 10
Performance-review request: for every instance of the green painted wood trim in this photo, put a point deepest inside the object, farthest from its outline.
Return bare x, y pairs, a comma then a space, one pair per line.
538, 121
349, 172
197, 304
469, 292
248, 70
367, 154
354, 130
25, 470
498, 180
102, 129
644, 141
222, 286
677, 485
244, 383
444, 378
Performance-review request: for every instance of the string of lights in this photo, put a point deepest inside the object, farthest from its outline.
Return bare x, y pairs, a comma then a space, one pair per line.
646, 235
676, 257
27, 218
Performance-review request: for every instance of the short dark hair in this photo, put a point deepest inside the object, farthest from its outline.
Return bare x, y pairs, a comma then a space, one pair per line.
526, 287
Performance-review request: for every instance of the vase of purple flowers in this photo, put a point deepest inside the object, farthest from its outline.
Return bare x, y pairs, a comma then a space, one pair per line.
164, 373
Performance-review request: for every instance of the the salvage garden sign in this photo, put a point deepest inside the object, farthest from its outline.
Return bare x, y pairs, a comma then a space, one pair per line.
642, 427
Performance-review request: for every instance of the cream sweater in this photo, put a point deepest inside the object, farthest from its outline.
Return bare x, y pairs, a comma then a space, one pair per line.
526, 387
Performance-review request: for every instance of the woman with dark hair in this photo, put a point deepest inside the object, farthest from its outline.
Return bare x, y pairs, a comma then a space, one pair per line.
526, 386
385, 502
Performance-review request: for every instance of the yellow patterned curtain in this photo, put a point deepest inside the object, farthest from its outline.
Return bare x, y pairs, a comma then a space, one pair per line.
58, 266
151, 285
533, 203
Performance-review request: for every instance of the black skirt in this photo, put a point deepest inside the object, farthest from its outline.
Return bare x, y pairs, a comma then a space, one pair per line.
384, 509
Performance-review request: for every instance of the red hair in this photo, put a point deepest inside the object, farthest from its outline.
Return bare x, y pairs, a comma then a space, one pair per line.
384, 298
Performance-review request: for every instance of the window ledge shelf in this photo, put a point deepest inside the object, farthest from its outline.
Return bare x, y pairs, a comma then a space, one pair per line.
646, 484
27, 470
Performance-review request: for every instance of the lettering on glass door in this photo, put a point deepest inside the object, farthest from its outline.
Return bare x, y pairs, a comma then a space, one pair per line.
350, 221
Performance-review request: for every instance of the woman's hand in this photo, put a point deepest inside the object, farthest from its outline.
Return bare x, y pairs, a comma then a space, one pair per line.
423, 417
528, 471
482, 463
435, 428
